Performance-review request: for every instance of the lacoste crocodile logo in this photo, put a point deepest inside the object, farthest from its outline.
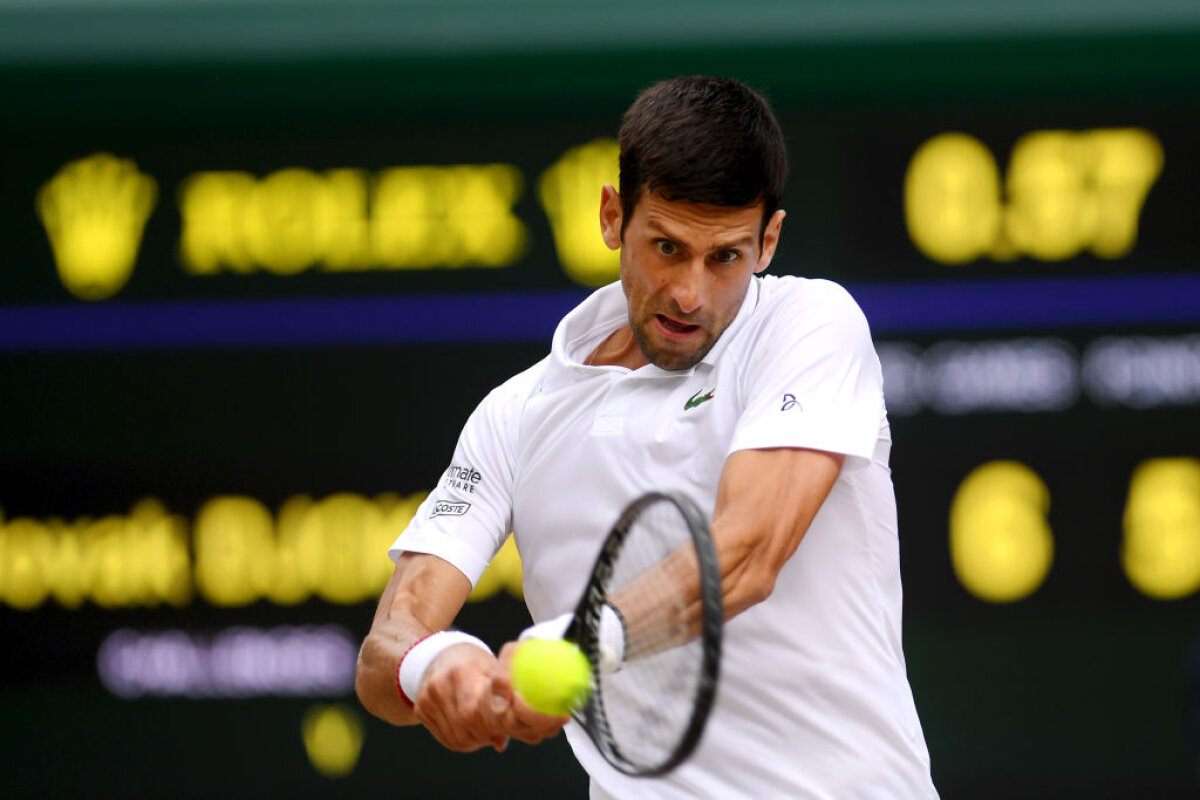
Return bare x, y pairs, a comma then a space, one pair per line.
698, 398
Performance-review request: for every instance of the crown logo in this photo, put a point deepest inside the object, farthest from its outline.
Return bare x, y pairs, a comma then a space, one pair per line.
570, 194
94, 211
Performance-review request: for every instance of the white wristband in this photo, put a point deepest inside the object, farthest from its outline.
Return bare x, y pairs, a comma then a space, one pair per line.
418, 658
611, 638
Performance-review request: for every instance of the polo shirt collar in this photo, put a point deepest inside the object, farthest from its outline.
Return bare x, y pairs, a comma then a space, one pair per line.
605, 309
749, 303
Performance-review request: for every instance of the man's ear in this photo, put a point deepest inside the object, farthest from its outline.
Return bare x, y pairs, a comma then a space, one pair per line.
770, 240
611, 216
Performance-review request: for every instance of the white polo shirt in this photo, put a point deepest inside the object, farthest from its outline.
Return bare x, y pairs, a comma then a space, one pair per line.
814, 700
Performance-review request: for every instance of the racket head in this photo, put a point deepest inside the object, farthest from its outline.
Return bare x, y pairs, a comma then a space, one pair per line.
648, 717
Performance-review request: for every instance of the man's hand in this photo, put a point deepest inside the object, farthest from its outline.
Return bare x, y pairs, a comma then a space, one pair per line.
467, 702
465, 698
455, 700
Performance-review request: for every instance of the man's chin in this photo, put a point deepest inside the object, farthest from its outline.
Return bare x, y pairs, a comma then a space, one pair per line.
670, 355
675, 359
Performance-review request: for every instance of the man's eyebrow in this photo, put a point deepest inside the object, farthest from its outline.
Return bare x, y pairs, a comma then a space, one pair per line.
743, 241
660, 229
736, 243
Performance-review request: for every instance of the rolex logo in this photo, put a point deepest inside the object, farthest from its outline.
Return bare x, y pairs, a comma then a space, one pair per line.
570, 194
94, 211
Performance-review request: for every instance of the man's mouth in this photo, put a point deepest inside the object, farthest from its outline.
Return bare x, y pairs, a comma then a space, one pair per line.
674, 328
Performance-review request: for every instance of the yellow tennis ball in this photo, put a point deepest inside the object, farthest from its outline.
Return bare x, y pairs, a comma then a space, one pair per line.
551, 675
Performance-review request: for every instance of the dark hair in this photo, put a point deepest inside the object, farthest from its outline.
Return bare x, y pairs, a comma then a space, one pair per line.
705, 140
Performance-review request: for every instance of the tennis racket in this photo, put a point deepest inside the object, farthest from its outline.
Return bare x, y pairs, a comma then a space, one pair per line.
658, 571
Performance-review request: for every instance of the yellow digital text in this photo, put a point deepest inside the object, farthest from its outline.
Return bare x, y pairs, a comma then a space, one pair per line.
234, 553
570, 195
1002, 547
401, 218
1064, 192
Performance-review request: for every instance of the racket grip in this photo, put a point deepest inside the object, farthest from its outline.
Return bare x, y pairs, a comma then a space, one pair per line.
553, 628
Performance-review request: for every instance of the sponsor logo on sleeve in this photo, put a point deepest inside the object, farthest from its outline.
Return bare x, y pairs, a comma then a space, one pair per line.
464, 479
790, 402
445, 508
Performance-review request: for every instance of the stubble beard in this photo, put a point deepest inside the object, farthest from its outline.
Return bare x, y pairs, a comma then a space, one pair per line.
664, 358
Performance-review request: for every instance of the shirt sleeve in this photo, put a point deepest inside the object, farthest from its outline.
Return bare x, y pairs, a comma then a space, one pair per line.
467, 517
812, 378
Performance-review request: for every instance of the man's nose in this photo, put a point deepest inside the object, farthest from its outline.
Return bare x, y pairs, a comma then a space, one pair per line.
688, 286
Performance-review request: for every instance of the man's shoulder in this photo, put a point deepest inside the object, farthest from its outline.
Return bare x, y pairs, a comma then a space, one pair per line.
792, 289
519, 386
806, 302
497, 416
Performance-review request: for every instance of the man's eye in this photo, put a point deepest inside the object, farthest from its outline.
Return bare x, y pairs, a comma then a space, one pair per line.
728, 256
667, 247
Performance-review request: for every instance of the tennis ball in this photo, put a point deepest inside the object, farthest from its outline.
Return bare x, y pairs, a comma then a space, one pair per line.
551, 675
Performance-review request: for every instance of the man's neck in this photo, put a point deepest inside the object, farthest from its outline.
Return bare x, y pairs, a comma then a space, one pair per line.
619, 349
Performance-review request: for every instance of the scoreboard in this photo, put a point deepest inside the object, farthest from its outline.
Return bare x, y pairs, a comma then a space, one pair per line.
248, 305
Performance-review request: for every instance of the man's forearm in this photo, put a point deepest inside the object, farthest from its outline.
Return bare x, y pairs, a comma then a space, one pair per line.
422, 597
375, 677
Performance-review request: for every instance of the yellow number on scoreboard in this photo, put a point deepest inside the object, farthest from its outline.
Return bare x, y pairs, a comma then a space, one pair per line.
1064, 192
1001, 546
1161, 549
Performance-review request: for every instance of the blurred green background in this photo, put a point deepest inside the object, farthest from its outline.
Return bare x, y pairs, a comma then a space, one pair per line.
261, 260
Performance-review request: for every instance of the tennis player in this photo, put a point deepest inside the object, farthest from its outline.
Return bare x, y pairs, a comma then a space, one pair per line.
760, 397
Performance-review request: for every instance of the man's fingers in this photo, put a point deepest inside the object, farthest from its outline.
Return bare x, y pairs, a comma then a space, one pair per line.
516, 718
500, 689
439, 727
528, 725
482, 711
487, 710
499, 699
455, 702
439, 713
536, 736
466, 708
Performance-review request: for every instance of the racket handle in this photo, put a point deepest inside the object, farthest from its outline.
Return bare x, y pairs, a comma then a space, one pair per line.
553, 628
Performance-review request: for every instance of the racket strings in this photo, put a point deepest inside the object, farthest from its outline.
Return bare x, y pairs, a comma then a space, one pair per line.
649, 702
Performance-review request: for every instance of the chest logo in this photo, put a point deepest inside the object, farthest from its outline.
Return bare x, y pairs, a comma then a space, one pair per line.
698, 398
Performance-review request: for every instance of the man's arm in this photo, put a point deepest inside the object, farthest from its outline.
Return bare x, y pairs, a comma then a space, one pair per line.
424, 595
766, 500
465, 698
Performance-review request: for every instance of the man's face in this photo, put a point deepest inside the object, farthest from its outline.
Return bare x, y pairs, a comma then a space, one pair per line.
685, 268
